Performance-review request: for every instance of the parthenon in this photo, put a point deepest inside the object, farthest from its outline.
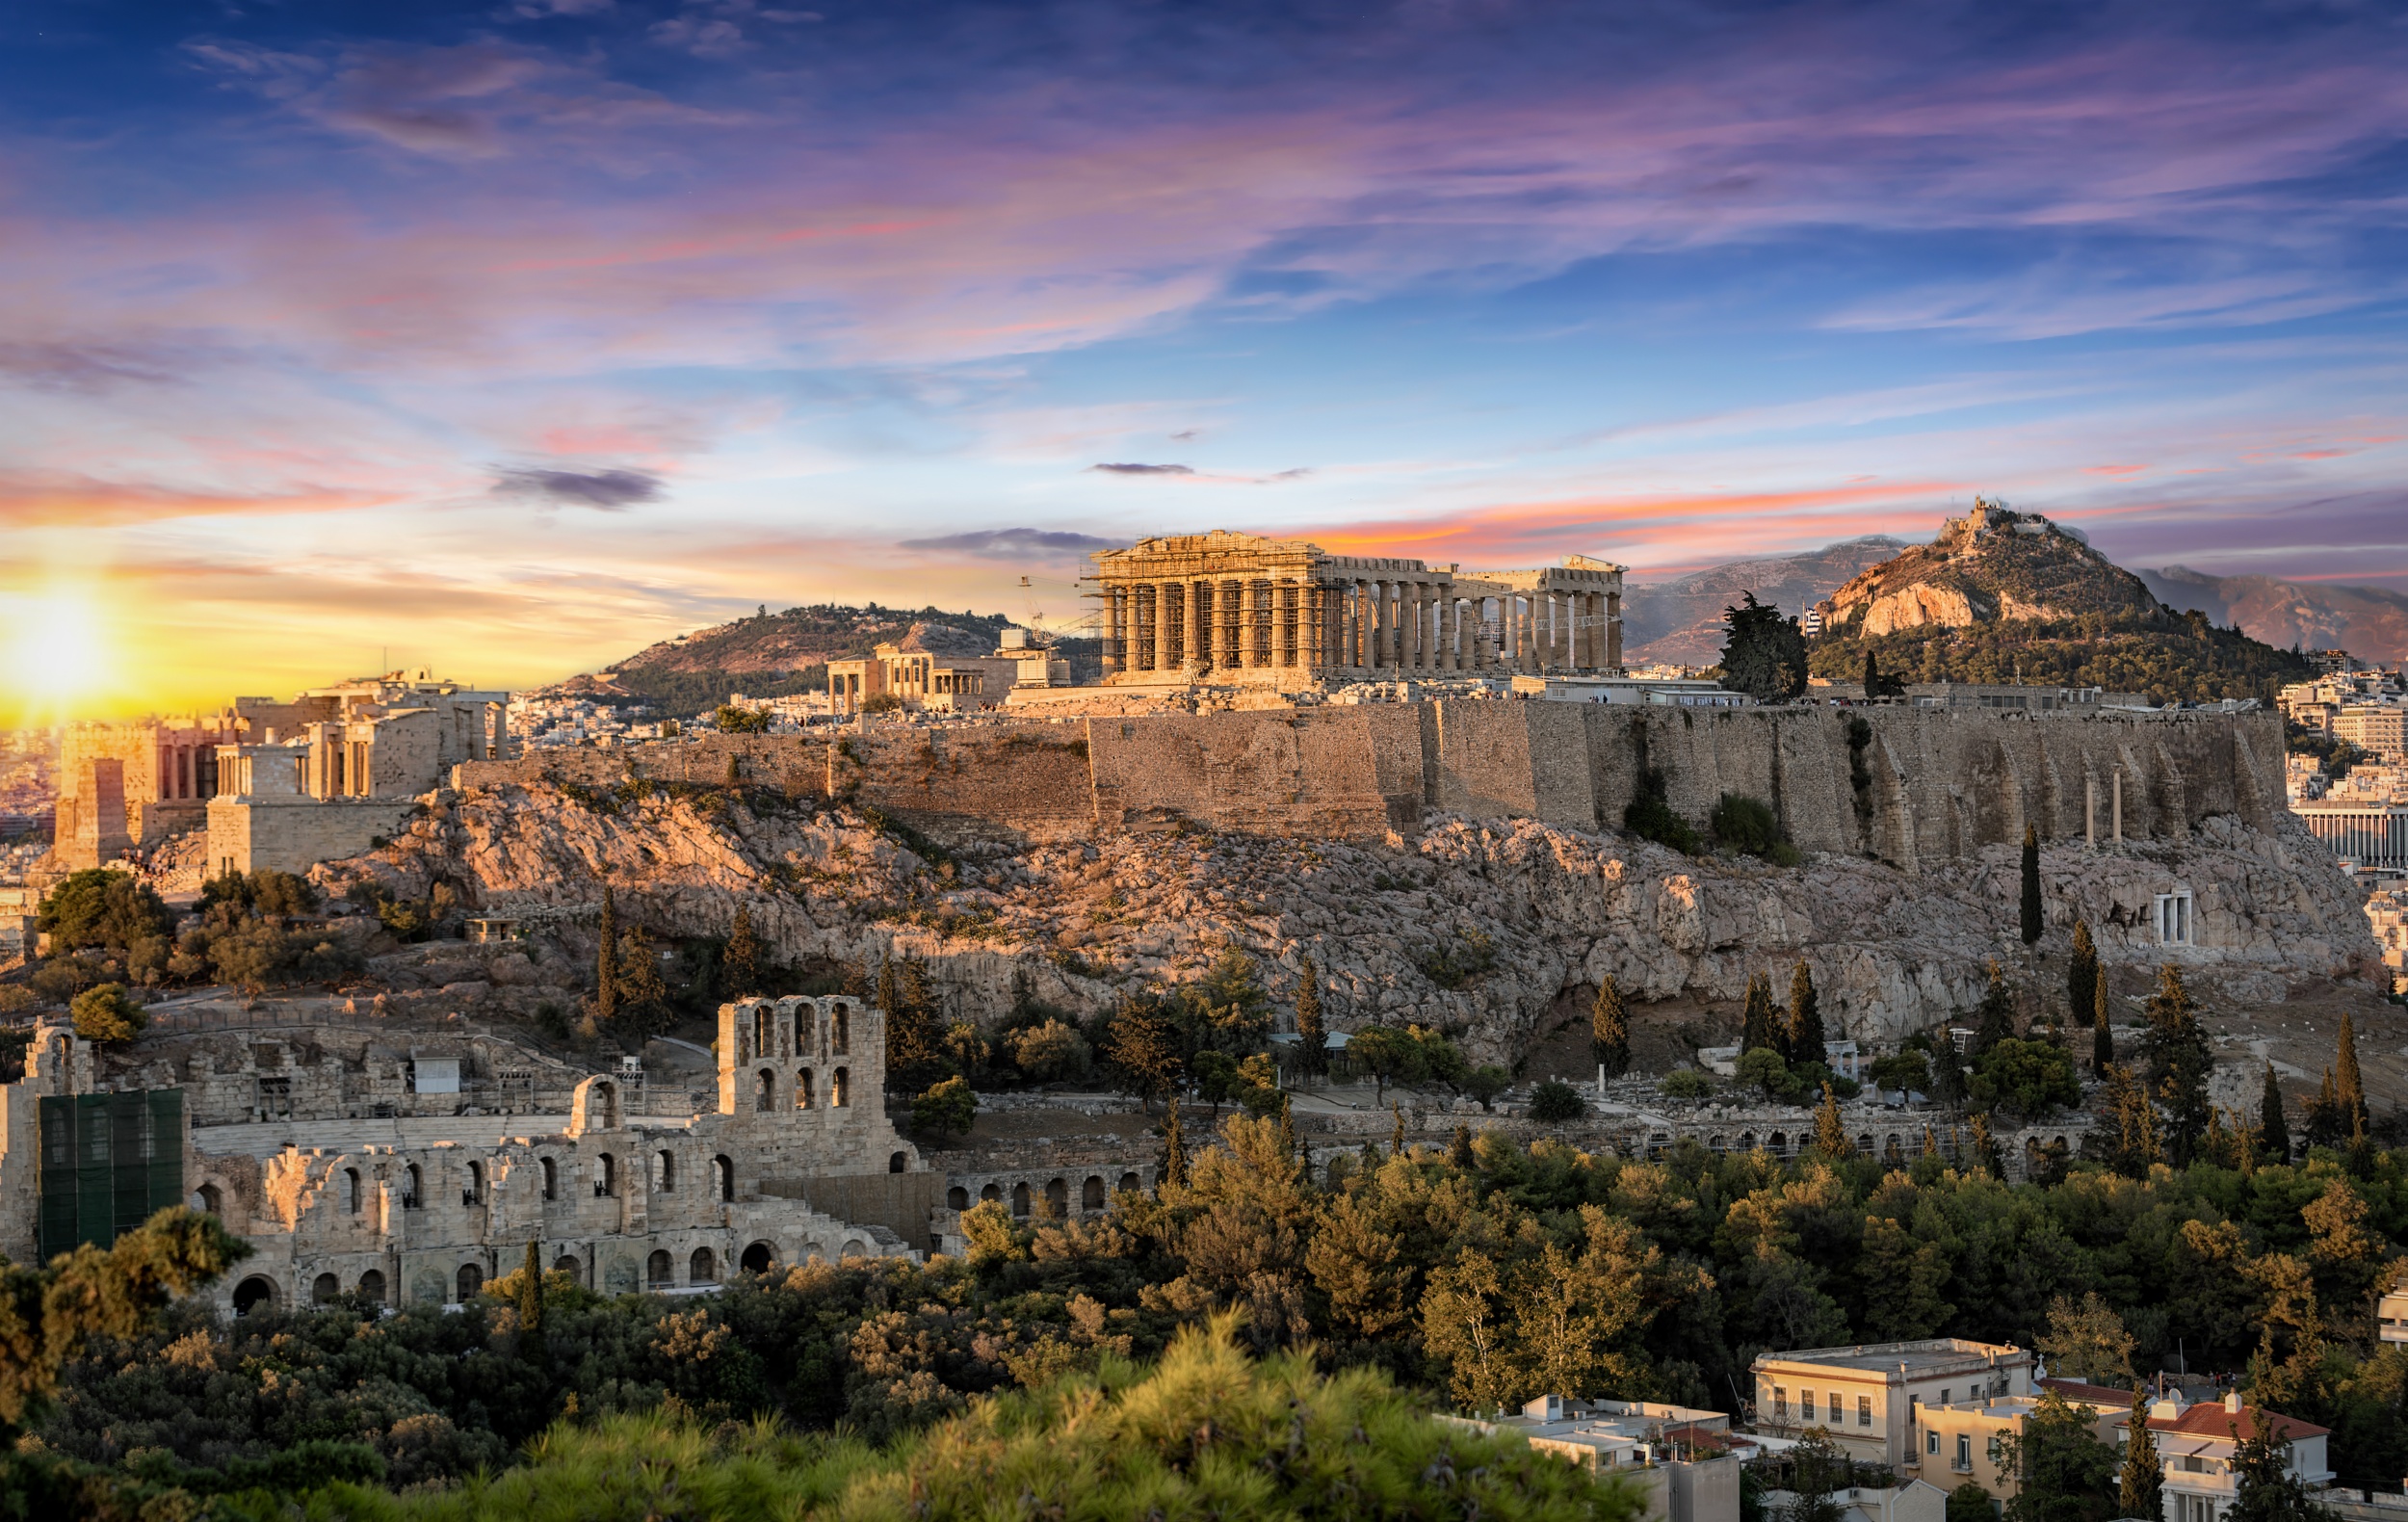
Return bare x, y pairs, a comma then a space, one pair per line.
1234, 607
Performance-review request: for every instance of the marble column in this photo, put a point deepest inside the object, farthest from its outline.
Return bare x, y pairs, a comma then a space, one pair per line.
1115, 638
1192, 651
1614, 630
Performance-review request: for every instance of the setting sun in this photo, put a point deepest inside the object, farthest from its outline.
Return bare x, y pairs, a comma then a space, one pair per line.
60, 653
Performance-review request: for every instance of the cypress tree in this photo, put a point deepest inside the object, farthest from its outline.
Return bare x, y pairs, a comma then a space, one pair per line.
531, 1294
2032, 886
1872, 674
1174, 1173
1830, 1137
2081, 974
1397, 1143
606, 966
2273, 1131
2140, 1490
2102, 1037
1459, 1150
741, 963
1312, 1036
1986, 1147
2348, 1087
1610, 1028
1997, 1016
2180, 1060
1806, 1042
1758, 1026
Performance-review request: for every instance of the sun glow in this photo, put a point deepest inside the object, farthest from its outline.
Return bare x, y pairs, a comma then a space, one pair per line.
61, 655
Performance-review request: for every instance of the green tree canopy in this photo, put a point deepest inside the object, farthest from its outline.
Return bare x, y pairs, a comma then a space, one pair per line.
102, 907
1763, 655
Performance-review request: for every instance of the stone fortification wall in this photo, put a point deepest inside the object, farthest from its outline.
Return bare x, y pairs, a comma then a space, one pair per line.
1906, 785
293, 834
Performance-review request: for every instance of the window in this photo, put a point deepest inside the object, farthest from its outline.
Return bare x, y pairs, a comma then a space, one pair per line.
468, 1281
1864, 1411
723, 1174
1965, 1451
605, 1183
763, 1089
1931, 1442
351, 1190
841, 1039
1805, 1406
474, 1193
1780, 1403
2173, 918
837, 1085
551, 1180
410, 1188
1994, 1450
802, 1089
1944, 1396
665, 1172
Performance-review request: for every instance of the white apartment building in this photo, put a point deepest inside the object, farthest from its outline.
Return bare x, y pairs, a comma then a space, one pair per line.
2198, 1442
1869, 1397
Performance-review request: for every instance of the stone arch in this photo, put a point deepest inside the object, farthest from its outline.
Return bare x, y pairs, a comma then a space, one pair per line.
764, 1041
352, 1194
551, 1179
372, 1286
840, 1088
855, 1248
1130, 1182
1748, 1140
957, 1198
606, 1177
991, 1191
802, 1089
568, 1263
724, 1174
1020, 1199
469, 1281
413, 1188
254, 1293
325, 1290
1057, 1198
758, 1258
1091, 1193
804, 1016
664, 1172
840, 1030
657, 1269
593, 1107
1864, 1143
1778, 1144
474, 1193
703, 1268
209, 1199
897, 1163
763, 1089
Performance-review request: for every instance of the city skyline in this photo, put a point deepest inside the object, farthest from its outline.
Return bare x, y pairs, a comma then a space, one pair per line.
512, 337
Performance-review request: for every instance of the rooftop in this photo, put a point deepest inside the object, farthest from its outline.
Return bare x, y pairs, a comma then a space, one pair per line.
1930, 1355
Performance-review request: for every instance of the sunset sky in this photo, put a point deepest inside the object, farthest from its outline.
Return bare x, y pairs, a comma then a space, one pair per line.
507, 338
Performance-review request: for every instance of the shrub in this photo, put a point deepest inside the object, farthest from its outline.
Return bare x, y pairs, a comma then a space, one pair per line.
1685, 1083
1555, 1101
1050, 1052
1749, 826
1484, 1084
104, 1013
1650, 815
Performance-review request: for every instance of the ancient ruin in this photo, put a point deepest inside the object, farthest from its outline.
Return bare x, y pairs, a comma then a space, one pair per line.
1235, 607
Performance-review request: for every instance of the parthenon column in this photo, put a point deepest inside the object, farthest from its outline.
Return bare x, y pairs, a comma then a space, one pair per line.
1417, 626
1192, 622
1614, 630
1114, 635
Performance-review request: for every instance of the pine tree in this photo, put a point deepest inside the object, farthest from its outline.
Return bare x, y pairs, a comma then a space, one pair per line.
2273, 1131
1459, 1150
1806, 1038
1758, 1025
1830, 1137
741, 963
2102, 1034
1948, 1070
2031, 925
1174, 1174
531, 1294
606, 963
2348, 1087
1312, 1036
2141, 1484
2082, 977
1610, 1028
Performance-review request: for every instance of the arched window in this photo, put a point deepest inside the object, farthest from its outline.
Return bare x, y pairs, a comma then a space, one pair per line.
253, 1294
1020, 1199
657, 1270
606, 1180
838, 1086
763, 1089
551, 1180
758, 1258
413, 1180
761, 1038
372, 1286
570, 1264
325, 1290
664, 1172
1057, 1200
602, 1107
840, 1039
210, 1200
802, 1089
1130, 1182
351, 1189
957, 1198
897, 1162
723, 1174
468, 1281
802, 1030
474, 1193
702, 1267
1778, 1144
1092, 1194
990, 1191
853, 1248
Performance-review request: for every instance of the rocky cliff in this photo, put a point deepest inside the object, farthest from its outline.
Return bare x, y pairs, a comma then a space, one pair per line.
1556, 909
1991, 564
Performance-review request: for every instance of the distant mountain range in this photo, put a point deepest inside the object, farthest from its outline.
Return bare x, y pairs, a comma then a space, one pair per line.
2370, 623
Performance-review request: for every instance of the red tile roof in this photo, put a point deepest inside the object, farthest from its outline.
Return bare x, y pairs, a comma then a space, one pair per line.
2089, 1394
2210, 1419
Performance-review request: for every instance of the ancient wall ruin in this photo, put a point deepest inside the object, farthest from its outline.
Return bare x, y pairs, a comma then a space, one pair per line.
1906, 785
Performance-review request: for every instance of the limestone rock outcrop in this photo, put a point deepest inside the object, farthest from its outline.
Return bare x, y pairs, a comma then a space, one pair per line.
1531, 914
